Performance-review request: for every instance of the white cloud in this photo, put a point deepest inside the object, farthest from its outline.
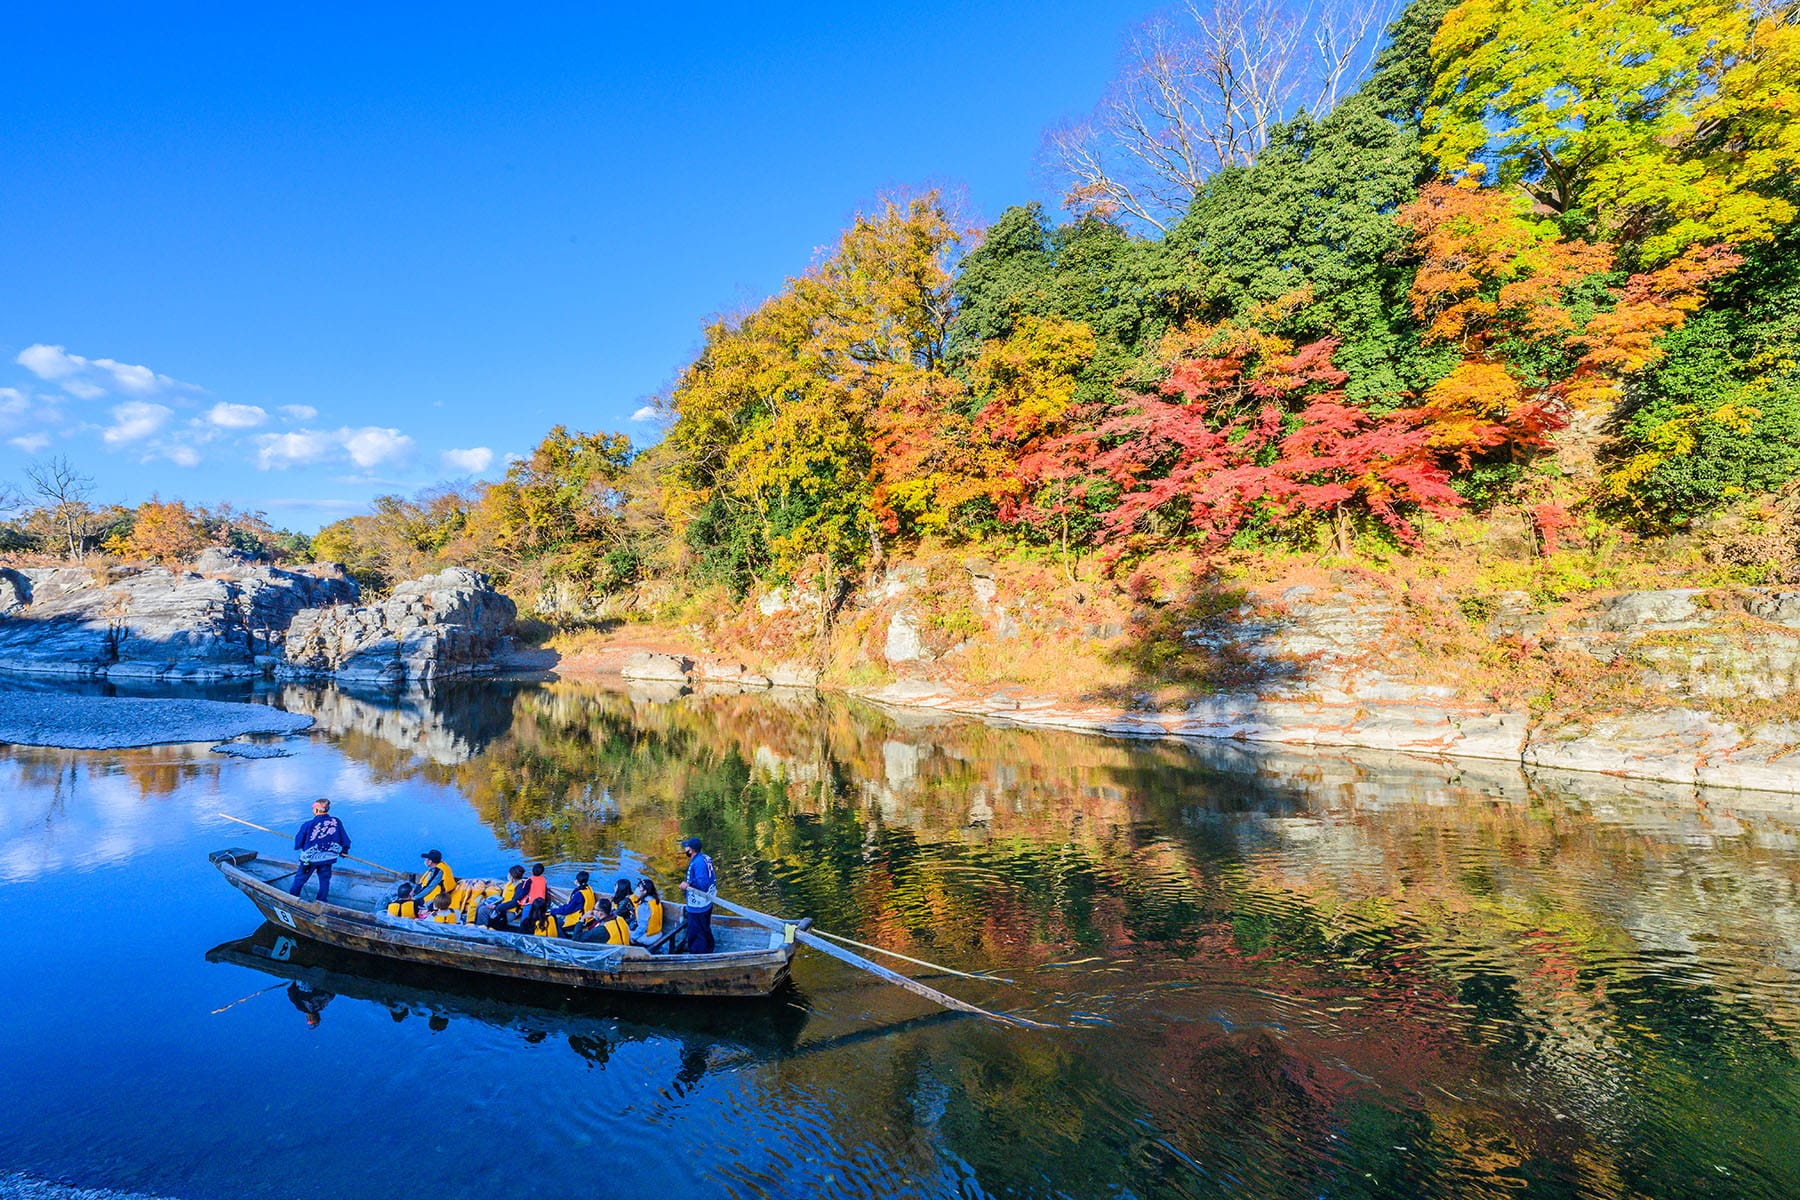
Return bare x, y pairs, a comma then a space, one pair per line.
50, 362
141, 380
182, 455
472, 461
371, 446
646, 413
236, 416
134, 421
90, 377
367, 447
299, 412
298, 449
31, 443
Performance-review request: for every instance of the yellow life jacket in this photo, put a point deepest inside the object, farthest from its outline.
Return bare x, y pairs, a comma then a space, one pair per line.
618, 933
513, 889
448, 916
403, 908
545, 927
653, 917
474, 892
445, 886
587, 906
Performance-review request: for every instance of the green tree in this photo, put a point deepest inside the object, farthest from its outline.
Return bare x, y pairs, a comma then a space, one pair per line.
1313, 219
1718, 419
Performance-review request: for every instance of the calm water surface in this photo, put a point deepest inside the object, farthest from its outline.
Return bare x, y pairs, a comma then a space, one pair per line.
1306, 977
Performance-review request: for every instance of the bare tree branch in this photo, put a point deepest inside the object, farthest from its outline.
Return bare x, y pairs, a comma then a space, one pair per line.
65, 492
1201, 91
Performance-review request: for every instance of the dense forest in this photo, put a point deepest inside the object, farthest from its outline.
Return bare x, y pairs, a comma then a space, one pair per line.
1319, 286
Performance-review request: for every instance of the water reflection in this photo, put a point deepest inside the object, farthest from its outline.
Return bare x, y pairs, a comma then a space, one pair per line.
591, 1026
1276, 976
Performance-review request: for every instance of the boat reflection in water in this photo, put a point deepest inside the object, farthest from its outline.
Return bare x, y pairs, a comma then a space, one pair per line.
593, 1025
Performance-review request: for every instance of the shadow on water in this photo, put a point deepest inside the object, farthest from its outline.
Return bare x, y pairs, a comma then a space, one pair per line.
593, 1024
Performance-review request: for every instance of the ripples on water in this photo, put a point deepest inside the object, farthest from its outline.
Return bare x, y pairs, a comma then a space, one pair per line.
1312, 976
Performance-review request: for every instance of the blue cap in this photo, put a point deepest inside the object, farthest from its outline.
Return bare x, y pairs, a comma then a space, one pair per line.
692, 843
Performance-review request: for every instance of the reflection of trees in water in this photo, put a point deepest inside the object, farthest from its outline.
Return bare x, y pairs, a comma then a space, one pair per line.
153, 770
1602, 963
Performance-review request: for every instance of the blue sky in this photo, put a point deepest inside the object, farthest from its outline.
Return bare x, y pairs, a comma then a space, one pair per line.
295, 258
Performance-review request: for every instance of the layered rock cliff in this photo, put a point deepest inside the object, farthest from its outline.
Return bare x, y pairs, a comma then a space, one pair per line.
221, 619
229, 617
1692, 686
451, 623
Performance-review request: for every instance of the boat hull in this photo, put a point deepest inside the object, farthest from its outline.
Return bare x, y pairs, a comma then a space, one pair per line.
739, 973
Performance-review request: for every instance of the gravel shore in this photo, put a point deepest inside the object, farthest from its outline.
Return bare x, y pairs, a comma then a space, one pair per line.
116, 722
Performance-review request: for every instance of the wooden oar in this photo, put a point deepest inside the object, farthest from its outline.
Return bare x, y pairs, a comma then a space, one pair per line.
856, 960
365, 862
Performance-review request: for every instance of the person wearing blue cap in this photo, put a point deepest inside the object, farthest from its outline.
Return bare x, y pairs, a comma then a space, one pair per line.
701, 885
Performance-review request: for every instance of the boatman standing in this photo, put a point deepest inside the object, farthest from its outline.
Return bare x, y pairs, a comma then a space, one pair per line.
319, 842
701, 885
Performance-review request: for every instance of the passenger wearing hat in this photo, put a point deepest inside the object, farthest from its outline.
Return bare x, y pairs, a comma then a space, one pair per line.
701, 885
579, 904
437, 879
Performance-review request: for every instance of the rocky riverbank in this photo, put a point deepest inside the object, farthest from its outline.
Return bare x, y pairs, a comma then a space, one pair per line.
229, 617
1691, 686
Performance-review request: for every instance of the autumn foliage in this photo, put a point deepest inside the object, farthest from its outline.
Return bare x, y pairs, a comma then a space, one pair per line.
1543, 260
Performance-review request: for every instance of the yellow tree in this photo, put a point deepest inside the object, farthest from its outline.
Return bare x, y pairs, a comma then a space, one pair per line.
772, 438
1669, 123
163, 531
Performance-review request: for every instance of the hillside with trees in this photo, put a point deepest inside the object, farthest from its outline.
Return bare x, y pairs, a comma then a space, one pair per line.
1505, 292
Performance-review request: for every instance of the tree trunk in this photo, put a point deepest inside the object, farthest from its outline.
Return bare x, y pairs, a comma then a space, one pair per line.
1065, 548
1341, 519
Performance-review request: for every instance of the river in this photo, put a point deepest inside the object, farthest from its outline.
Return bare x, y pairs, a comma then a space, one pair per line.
1299, 976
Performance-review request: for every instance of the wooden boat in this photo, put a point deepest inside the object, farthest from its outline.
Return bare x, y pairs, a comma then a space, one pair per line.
751, 958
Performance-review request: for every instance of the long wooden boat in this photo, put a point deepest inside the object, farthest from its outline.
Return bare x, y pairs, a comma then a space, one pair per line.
750, 959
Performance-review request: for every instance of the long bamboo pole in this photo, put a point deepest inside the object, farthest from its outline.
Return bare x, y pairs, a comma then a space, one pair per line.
876, 969
365, 862
917, 962
838, 937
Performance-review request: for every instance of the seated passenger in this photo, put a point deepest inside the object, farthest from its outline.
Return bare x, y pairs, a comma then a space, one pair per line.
538, 921
648, 925
437, 879
403, 905
537, 887
579, 904
510, 911
621, 900
442, 912
606, 928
